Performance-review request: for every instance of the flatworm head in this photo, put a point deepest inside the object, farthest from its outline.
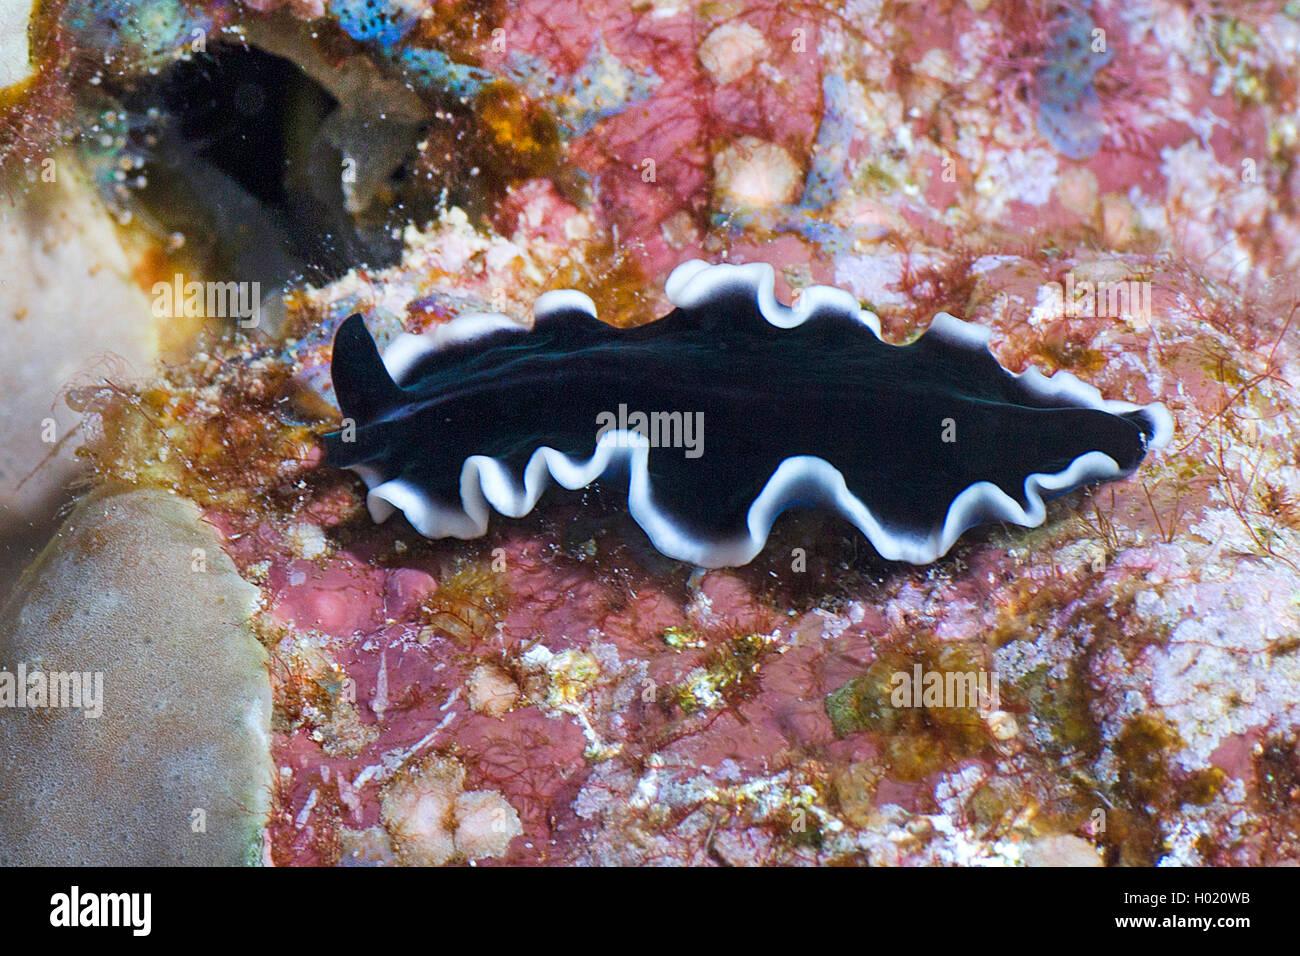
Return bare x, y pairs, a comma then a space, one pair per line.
719, 416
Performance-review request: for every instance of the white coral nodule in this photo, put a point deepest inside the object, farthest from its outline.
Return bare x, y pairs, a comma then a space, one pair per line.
433, 821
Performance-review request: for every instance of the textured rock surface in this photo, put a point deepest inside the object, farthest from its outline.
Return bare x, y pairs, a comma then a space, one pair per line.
136, 587
69, 311
628, 709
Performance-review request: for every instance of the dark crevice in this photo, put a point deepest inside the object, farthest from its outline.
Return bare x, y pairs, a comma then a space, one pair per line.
238, 163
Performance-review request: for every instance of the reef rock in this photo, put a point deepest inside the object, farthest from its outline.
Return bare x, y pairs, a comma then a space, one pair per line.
69, 310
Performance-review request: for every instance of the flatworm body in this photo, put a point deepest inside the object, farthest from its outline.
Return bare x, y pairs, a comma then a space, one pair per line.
719, 416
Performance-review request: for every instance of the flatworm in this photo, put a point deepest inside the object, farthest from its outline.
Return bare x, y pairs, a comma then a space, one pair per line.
747, 407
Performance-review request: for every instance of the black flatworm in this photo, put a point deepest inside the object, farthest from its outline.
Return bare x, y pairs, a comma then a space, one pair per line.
721, 415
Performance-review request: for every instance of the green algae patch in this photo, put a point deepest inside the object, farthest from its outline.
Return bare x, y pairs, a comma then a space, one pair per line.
1061, 705
679, 638
729, 674
1143, 749
863, 703
920, 734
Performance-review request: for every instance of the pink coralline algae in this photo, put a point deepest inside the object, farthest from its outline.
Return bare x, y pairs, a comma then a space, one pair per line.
1111, 188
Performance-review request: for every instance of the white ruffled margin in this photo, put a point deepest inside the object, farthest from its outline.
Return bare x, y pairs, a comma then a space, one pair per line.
485, 481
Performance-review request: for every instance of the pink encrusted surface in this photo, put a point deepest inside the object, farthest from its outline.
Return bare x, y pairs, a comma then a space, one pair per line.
1143, 638
1147, 637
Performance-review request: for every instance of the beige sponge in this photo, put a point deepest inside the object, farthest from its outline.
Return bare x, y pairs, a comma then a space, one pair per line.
176, 767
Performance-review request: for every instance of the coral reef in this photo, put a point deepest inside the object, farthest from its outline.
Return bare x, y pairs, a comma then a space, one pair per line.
1110, 187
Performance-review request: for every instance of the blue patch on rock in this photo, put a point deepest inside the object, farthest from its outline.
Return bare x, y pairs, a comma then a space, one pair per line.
1069, 111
